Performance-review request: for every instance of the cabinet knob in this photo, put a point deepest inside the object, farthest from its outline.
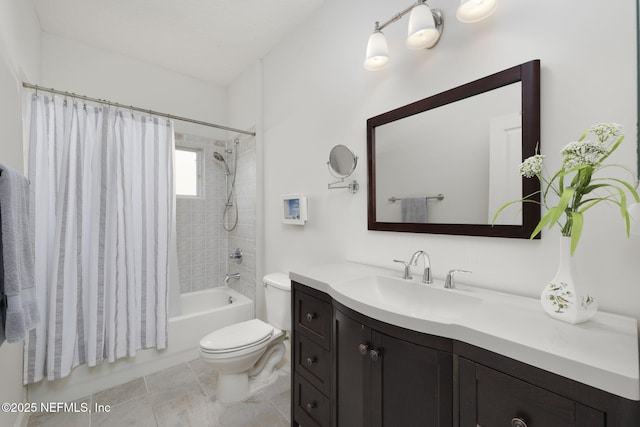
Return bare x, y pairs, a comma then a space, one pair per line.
311, 316
375, 354
518, 422
363, 349
311, 405
311, 361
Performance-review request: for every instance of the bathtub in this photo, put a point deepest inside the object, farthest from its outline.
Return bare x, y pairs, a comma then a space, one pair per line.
202, 312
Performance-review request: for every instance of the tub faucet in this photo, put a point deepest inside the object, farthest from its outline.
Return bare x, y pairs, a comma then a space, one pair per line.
228, 277
426, 274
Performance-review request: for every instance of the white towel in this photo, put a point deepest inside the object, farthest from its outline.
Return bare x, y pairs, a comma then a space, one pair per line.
17, 253
413, 209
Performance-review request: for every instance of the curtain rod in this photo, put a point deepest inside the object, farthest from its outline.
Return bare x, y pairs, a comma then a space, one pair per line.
130, 107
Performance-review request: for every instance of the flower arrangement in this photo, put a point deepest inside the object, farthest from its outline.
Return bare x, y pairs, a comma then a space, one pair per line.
583, 162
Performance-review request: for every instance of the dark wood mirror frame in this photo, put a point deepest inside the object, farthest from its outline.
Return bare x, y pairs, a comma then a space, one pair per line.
529, 76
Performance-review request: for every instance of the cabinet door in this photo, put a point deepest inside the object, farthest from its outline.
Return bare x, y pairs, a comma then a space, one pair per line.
489, 398
351, 371
411, 384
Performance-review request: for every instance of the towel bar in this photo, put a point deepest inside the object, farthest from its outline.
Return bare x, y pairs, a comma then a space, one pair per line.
439, 197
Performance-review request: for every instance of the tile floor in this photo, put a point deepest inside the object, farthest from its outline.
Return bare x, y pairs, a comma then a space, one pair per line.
180, 396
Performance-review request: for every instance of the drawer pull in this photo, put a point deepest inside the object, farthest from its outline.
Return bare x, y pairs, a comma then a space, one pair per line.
311, 316
363, 349
311, 361
518, 422
375, 355
311, 405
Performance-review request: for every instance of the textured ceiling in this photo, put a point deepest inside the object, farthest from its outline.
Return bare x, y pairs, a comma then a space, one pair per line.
211, 40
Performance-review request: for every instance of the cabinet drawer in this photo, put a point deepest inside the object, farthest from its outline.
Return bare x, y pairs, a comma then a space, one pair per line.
502, 400
313, 315
313, 362
311, 407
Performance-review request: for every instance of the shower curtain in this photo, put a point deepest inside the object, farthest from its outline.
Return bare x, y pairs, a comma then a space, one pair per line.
102, 192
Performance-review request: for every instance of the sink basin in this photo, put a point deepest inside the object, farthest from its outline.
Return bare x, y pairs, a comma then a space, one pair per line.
408, 298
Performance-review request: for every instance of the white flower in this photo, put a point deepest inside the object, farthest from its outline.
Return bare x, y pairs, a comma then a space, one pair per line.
580, 153
532, 166
606, 131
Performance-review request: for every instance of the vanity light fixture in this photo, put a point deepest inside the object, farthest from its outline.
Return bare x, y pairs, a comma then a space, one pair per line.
425, 28
475, 10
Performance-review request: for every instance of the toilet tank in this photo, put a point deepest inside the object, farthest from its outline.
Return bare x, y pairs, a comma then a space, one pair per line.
278, 300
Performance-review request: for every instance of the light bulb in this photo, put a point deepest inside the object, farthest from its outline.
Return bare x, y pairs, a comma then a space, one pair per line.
377, 52
475, 10
422, 31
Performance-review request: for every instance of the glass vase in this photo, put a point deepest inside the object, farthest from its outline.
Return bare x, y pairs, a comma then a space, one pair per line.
566, 297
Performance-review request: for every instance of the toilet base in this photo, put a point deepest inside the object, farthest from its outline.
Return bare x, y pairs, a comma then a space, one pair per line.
238, 387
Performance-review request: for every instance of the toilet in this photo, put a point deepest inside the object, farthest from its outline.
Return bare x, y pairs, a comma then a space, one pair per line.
246, 354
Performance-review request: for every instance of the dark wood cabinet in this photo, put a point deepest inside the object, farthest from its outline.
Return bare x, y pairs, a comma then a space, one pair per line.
311, 338
350, 370
490, 398
496, 391
383, 380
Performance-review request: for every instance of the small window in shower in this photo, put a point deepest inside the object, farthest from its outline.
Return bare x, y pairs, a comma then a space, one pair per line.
188, 171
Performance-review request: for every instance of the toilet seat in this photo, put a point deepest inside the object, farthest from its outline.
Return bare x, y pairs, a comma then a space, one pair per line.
237, 337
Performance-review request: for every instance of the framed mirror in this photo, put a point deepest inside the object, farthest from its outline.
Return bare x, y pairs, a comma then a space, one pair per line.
446, 163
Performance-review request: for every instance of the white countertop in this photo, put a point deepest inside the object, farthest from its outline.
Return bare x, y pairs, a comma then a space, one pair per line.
602, 352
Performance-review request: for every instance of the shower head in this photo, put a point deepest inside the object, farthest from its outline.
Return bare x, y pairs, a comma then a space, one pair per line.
220, 158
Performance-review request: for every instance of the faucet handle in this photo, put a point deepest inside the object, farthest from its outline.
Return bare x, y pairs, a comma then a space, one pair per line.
450, 282
407, 269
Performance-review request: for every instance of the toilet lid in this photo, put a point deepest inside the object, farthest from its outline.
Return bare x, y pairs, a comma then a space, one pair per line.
237, 336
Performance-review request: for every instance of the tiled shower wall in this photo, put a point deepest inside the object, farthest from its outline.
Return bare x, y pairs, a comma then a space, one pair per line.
244, 236
203, 244
201, 240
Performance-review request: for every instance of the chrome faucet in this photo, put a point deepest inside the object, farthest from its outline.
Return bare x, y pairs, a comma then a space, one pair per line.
426, 274
407, 269
449, 282
228, 277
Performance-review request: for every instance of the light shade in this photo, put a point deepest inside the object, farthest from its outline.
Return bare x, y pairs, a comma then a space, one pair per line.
475, 10
422, 32
377, 52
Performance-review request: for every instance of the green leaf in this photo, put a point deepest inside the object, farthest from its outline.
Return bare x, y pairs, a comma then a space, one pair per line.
565, 198
546, 218
503, 207
613, 148
576, 231
629, 187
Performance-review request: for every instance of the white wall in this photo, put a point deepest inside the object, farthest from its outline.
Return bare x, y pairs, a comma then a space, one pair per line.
19, 59
245, 109
75, 67
317, 94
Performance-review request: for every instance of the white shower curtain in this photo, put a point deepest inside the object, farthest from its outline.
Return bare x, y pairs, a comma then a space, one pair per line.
102, 192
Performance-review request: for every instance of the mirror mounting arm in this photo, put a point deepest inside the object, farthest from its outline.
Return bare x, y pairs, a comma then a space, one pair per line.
353, 186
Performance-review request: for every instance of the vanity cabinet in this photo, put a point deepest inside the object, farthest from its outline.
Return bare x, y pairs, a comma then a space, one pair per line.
495, 391
311, 338
491, 398
387, 376
350, 370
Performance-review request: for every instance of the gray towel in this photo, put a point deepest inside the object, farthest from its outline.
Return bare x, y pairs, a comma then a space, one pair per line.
17, 253
413, 209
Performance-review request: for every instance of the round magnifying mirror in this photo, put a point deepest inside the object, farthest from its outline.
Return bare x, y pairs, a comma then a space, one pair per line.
342, 162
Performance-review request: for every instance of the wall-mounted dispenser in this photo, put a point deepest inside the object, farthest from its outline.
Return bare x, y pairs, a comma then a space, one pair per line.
342, 162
